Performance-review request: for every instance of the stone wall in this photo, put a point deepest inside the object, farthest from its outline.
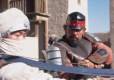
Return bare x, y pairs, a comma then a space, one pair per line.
57, 10
112, 27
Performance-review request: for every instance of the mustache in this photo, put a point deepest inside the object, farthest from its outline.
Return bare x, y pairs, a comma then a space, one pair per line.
74, 36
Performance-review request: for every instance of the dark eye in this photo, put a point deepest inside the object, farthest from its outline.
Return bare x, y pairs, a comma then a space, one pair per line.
76, 30
17, 35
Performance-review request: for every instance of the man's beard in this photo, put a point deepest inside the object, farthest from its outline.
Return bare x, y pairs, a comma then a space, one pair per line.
73, 41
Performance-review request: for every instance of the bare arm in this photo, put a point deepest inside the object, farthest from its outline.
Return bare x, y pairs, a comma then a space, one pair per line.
109, 51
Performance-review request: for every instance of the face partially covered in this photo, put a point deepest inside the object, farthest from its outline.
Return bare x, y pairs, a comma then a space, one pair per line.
17, 35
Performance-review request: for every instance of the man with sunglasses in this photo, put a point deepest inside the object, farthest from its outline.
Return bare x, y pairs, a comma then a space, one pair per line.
79, 48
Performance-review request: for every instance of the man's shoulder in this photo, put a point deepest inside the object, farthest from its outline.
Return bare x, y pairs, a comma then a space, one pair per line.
91, 37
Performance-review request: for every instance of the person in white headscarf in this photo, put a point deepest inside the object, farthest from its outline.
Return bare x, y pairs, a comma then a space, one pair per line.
14, 26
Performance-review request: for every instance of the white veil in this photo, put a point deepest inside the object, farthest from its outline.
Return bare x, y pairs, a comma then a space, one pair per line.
27, 47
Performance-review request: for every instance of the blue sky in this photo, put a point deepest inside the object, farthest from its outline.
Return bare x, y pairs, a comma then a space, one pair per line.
98, 15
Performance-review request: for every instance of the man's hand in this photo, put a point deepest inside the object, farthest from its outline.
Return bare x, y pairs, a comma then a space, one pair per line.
89, 64
2, 63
